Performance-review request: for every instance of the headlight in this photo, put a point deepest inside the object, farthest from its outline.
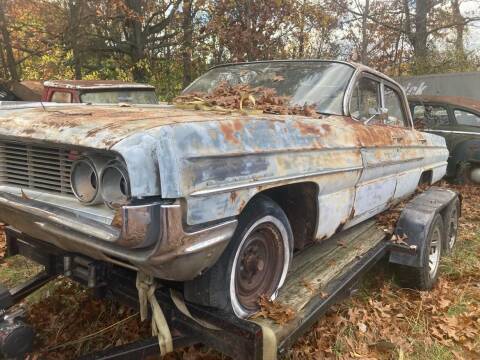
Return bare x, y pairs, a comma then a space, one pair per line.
85, 180
115, 187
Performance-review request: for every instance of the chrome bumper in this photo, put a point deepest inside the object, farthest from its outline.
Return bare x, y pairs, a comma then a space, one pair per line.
149, 237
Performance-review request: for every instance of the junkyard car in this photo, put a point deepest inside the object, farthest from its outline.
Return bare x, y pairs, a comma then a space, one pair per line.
216, 200
98, 91
458, 121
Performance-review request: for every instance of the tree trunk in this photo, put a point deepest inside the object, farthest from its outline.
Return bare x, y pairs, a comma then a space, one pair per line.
74, 31
11, 65
459, 28
364, 50
3, 62
421, 34
187, 25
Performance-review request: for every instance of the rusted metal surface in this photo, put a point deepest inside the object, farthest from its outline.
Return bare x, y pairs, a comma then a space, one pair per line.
214, 163
451, 100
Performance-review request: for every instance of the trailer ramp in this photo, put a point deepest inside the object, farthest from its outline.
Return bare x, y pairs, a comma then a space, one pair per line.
317, 275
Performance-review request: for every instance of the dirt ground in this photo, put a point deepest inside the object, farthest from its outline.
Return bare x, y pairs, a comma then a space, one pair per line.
381, 321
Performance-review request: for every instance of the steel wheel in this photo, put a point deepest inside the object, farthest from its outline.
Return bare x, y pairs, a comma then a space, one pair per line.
434, 252
260, 265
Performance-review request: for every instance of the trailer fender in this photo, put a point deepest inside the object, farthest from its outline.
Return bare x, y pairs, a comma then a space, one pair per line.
415, 222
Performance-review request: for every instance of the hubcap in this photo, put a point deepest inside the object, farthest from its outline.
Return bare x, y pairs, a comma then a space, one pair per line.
259, 266
434, 255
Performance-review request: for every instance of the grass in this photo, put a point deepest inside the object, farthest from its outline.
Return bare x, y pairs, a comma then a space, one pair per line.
17, 269
432, 352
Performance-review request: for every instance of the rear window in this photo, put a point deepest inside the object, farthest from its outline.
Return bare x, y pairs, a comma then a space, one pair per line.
119, 96
466, 118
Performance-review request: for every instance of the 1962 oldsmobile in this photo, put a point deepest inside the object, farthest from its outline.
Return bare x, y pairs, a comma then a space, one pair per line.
217, 201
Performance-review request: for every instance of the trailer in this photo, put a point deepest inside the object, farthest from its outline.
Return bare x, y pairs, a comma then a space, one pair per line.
320, 276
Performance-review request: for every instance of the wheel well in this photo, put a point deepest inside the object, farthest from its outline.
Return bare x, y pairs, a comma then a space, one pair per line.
426, 178
300, 204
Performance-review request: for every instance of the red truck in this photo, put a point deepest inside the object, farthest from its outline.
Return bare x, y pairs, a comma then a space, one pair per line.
84, 91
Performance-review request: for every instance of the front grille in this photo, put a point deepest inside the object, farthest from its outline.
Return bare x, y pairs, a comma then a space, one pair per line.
35, 167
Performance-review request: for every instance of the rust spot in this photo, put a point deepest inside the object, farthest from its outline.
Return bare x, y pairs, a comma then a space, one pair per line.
308, 129
229, 131
233, 196
238, 125
326, 127
340, 226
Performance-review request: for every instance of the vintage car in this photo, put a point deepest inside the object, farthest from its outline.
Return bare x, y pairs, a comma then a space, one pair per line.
217, 201
457, 119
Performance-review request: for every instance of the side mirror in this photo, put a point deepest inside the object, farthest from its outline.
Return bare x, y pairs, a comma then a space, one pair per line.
379, 113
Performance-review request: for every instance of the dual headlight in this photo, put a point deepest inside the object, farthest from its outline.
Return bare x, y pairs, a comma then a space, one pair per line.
95, 180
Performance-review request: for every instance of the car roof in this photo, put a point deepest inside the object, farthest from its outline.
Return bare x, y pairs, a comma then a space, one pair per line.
449, 100
96, 84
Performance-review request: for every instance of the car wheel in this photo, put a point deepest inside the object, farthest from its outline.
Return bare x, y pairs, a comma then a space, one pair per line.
254, 264
467, 173
425, 277
451, 216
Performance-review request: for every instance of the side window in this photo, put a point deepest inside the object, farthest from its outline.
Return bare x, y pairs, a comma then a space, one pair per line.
62, 97
466, 118
429, 116
394, 106
365, 101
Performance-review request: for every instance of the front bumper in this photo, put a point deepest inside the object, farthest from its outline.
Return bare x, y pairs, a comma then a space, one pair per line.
149, 237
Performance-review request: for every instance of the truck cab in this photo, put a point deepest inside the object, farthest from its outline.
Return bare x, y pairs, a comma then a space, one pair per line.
98, 91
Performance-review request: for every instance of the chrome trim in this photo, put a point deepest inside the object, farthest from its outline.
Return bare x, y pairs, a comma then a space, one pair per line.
395, 162
272, 181
454, 132
149, 237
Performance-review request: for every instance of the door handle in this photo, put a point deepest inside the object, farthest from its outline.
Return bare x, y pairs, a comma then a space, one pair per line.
397, 137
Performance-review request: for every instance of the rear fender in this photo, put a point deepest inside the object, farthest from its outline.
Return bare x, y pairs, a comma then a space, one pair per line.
415, 222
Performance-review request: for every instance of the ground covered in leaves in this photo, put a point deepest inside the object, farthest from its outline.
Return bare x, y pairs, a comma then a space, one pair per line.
380, 321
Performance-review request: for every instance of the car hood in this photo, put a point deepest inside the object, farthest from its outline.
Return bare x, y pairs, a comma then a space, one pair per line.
93, 126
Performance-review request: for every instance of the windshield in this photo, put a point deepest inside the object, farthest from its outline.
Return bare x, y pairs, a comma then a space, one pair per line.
321, 84
119, 96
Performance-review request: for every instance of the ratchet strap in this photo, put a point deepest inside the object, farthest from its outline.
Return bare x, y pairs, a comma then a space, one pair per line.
146, 286
269, 338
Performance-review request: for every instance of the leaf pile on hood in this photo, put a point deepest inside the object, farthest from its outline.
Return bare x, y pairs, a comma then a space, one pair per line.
245, 99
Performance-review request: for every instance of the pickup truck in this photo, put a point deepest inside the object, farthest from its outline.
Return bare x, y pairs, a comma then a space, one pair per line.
80, 91
217, 201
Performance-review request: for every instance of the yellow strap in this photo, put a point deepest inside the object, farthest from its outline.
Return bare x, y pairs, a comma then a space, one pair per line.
146, 286
179, 302
269, 342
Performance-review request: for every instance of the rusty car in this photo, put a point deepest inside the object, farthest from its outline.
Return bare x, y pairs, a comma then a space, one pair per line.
457, 119
98, 91
216, 201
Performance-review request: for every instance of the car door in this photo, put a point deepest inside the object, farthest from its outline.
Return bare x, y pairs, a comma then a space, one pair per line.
435, 118
388, 146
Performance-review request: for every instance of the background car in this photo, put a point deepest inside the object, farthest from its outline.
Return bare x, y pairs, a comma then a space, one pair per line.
457, 119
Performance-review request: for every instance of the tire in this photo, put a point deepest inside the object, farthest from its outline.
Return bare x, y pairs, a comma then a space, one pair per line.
451, 226
255, 262
425, 277
462, 176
